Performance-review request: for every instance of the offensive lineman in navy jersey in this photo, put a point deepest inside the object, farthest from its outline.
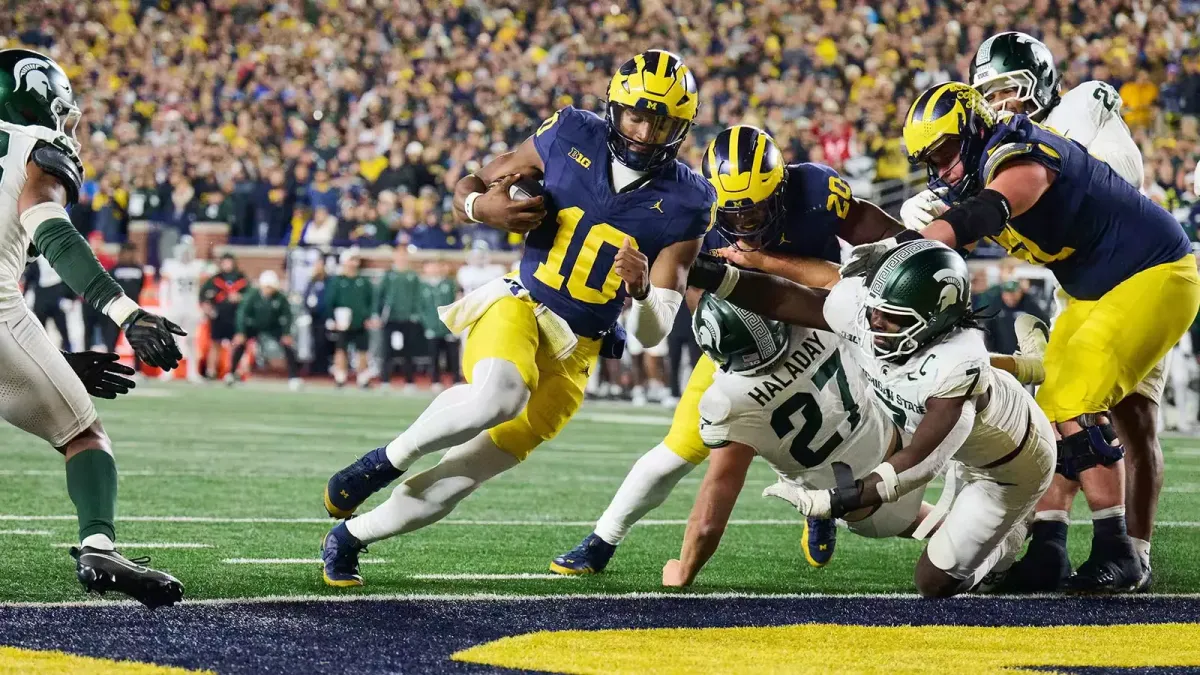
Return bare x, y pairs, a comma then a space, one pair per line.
1124, 263
781, 219
620, 216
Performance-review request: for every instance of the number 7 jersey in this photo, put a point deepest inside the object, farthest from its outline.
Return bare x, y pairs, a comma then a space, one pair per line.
812, 408
567, 263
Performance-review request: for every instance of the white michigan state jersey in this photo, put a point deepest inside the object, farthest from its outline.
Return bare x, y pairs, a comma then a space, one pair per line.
811, 408
181, 287
16, 144
1090, 114
956, 365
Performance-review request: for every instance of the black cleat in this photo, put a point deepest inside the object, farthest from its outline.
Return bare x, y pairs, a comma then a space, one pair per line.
1044, 569
1113, 571
101, 571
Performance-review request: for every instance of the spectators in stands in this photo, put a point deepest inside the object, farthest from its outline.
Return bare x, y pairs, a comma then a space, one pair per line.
253, 111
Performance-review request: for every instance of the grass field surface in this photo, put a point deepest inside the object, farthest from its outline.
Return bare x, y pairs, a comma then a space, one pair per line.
222, 487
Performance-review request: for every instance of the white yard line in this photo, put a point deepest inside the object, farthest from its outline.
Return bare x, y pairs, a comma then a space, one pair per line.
293, 561
149, 544
215, 520
551, 597
487, 577
30, 533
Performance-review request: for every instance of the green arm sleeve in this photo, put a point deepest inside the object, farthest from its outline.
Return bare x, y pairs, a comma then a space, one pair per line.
70, 256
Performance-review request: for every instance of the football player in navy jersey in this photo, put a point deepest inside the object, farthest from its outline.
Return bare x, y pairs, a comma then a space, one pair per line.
784, 219
620, 216
1124, 263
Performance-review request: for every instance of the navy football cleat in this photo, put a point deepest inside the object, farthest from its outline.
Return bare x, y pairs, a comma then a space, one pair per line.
819, 540
351, 486
101, 570
591, 556
339, 557
1043, 569
1108, 571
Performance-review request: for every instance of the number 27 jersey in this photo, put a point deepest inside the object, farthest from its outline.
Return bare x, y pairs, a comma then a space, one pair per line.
567, 263
813, 407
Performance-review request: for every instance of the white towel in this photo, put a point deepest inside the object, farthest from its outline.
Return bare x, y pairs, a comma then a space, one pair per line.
461, 314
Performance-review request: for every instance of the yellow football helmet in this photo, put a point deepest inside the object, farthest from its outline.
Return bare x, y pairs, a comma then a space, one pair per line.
951, 110
652, 102
745, 166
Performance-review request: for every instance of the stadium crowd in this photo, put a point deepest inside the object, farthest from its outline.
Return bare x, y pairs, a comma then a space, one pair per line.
321, 122
337, 123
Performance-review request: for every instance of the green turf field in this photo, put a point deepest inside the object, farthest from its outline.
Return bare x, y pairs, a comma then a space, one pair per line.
210, 476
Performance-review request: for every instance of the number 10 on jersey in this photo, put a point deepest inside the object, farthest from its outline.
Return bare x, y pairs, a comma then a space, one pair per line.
552, 272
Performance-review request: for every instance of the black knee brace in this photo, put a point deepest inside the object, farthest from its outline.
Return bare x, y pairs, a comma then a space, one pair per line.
1088, 448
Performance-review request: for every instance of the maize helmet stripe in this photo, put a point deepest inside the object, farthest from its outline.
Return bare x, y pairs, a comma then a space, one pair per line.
749, 151
733, 169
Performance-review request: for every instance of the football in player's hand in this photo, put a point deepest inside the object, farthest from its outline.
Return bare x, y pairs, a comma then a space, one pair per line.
526, 188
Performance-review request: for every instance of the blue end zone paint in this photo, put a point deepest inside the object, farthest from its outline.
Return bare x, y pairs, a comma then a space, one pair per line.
418, 636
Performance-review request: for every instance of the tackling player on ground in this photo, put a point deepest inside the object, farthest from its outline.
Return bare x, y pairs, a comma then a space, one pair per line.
40, 175
1124, 264
915, 339
780, 218
790, 395
620, 216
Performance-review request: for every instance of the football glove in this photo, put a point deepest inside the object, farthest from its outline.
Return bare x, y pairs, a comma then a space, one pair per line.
101, 373
810, 503
152, 339
864, 257
919, 211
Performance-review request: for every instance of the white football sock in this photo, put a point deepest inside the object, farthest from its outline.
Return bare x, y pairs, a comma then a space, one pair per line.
458, 414
1110, 512
99, 541
1060, 516
432, 494
646, 486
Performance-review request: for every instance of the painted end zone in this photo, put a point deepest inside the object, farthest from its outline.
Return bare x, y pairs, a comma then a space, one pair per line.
842, 634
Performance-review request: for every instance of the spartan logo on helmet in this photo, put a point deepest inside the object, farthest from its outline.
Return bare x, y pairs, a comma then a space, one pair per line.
951, 291
30, 74
708, 334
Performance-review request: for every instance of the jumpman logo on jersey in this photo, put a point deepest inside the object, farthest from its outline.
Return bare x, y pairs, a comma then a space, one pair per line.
657, 206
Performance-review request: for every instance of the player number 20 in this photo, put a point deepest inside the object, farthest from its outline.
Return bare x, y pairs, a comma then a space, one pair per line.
806, 404
552, 271
839, 197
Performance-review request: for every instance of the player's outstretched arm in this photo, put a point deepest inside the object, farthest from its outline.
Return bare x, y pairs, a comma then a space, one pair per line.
1017, 186
763, 294
727, 467
482, 197
813, 272
866, 223
943, 430
41, 206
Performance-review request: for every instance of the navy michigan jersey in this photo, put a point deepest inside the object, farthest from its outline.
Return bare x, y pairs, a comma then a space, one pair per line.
1092, 229
567, 263
816, 202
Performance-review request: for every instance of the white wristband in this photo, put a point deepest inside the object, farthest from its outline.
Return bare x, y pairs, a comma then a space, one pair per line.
728, 282
889, 486
469, 206
119, 309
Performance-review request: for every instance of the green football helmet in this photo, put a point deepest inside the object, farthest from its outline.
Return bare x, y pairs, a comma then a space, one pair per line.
34, 91
737, 340
1019, 63
923, 287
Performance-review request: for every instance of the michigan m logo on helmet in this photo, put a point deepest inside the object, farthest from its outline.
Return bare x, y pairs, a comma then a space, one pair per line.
951, 291
29, 74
